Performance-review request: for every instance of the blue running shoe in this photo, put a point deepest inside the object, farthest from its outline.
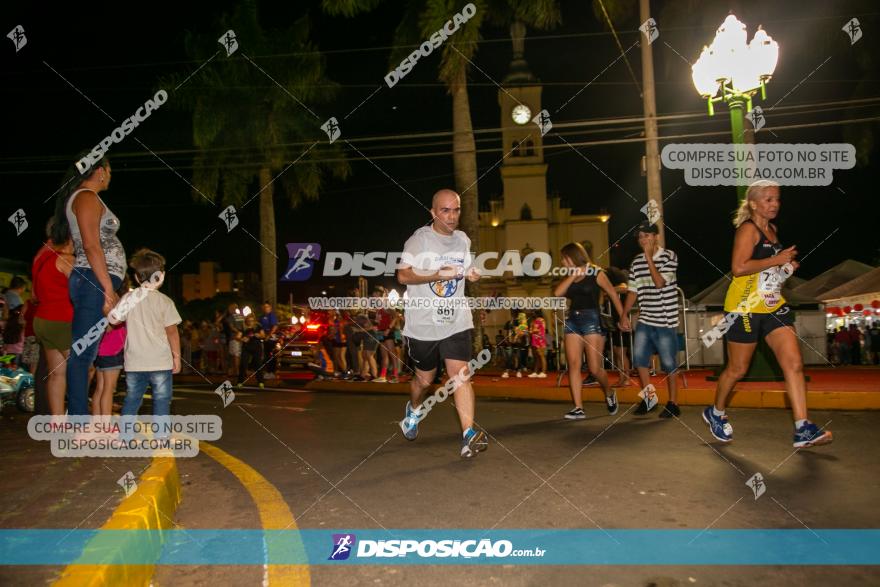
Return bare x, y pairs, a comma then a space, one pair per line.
472, 442
718, 425
410, 423
810, 435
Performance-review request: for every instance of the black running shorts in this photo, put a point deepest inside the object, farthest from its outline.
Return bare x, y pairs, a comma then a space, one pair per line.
749, 327
428, 354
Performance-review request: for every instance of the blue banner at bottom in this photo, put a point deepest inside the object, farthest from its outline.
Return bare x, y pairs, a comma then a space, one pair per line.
443, 547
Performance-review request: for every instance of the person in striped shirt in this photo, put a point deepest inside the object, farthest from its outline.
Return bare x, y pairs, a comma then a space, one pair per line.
652, 281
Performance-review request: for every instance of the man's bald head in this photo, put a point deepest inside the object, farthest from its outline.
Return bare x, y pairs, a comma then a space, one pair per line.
446, 209
443, 195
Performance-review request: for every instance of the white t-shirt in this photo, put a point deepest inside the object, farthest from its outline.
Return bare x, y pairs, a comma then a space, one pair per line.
427, 249
146, 342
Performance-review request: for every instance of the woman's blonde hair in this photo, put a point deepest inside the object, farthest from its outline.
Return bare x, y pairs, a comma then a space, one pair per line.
577, 253
744, 212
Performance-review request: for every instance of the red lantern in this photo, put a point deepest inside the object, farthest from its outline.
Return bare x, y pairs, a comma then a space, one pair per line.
847, 309
858, 307
875, 304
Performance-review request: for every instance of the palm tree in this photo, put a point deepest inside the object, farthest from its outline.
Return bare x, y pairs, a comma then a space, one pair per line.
420, 20
268, 138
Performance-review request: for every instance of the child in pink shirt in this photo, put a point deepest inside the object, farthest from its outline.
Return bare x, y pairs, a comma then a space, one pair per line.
109, 363
539, 346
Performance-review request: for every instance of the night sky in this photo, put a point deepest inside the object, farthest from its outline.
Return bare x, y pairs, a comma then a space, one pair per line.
115, 53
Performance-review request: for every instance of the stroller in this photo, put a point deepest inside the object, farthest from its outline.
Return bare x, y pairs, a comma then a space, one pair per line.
16, 385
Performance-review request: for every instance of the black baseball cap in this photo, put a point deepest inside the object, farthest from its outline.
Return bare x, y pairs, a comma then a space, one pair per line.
647, 227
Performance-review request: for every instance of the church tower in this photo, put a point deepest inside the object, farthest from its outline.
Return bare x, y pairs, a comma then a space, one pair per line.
523, 172
524, 218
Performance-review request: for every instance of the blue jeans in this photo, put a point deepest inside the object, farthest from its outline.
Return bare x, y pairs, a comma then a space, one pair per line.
87, 297
506, 354
137, 382
655, 339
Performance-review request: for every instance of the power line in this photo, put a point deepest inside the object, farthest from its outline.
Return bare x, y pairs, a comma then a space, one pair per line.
801, 109
545, 147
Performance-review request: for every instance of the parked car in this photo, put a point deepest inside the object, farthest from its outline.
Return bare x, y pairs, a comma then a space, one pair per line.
299, 342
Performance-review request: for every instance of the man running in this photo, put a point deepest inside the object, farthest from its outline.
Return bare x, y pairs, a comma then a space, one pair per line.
434, 264
652, 281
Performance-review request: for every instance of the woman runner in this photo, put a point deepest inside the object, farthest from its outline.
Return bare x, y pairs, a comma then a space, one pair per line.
754, 301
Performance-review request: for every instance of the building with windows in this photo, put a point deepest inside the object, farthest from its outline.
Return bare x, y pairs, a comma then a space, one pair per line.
210, 281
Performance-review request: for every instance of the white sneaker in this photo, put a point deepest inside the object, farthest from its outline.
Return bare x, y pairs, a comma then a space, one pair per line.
505, 375
649, 400
519, 374
533, 375
542, 375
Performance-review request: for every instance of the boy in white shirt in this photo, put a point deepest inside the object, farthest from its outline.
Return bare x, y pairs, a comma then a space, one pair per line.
152, 345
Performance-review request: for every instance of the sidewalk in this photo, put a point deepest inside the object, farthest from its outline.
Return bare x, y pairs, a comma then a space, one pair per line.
843, 388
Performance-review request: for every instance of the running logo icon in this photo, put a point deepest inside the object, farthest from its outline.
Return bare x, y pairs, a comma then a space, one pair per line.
331, 127
756, 117
229, 42
229, 217
302, 260
650, 30
853, 29
127, 482
652, 211
445, 289
17, 37
19, 221
225, 392
542, 119
342, 547
756, 482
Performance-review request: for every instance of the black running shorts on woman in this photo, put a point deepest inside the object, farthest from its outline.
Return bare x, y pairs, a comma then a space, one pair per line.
748, 328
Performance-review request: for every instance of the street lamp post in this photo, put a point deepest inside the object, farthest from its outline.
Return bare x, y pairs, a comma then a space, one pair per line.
731, 71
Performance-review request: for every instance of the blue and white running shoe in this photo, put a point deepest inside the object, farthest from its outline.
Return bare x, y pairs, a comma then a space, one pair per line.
718, 425
410, 423
810, 435
472, 442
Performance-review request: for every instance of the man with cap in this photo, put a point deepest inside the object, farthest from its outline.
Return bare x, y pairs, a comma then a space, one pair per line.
652, 281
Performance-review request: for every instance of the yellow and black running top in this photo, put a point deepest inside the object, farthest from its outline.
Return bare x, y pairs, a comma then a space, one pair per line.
758, 293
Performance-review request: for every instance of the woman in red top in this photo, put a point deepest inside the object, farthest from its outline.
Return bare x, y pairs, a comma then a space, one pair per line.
54, 315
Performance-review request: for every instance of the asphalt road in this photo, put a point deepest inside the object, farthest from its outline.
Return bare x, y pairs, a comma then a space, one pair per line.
340, 461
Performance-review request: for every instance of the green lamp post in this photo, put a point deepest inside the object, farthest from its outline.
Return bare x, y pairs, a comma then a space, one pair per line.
731, 71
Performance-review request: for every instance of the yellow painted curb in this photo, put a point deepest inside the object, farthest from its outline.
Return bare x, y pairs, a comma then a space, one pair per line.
274, 515
150, 507
816, 400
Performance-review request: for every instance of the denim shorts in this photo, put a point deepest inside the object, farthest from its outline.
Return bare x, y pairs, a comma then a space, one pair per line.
110, 362
584, 322
649, 340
